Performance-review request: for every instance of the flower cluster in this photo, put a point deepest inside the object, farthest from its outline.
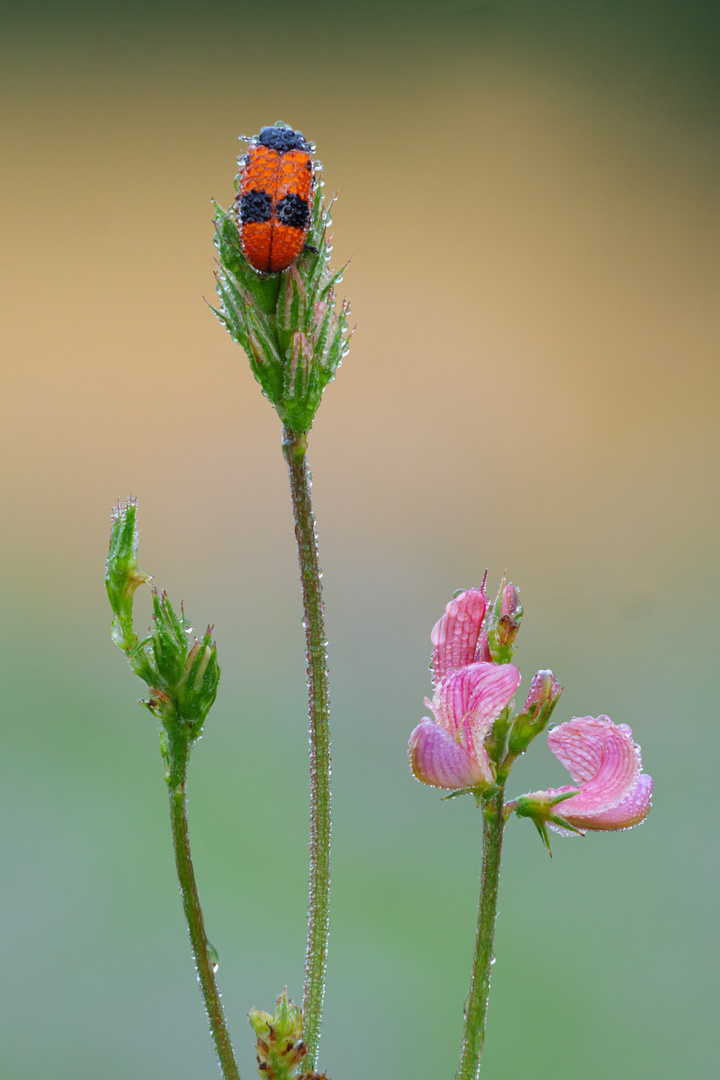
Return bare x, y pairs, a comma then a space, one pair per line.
471, 741
471, 690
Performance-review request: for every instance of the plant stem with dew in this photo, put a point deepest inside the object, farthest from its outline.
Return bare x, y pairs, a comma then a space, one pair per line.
477, 999
294, 450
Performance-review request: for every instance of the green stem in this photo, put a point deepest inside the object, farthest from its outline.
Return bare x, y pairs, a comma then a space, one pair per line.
177, 757
294, 450
477, 999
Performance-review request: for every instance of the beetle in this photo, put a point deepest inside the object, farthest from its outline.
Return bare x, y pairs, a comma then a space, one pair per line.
276, 186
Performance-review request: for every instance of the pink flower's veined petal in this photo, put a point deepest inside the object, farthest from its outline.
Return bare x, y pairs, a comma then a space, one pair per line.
437, 759
631, 811
601, 757
468, 702
454, 638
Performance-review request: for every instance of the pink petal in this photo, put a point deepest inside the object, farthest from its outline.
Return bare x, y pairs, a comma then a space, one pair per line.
631, 811
468, 702
454, 638
437, 759
602, 758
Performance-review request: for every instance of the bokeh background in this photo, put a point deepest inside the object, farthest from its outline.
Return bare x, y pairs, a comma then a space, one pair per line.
529, 194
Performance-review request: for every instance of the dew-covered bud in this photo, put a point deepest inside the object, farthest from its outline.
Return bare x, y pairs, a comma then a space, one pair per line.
122, 576
280, 1048
181, 672
544, 695
504, 623
197, 691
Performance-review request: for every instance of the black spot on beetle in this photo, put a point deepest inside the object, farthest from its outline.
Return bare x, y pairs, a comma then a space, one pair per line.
255, 206
294, 211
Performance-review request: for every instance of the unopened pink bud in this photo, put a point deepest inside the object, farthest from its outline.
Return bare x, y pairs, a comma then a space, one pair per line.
510, 600
544, 689
455, 636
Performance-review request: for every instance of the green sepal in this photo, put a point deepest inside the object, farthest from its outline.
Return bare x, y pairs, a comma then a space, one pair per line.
528, 725
496, 741
481, 794
538, 806
263, 287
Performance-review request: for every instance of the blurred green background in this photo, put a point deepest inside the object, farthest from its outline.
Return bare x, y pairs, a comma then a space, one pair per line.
529, 193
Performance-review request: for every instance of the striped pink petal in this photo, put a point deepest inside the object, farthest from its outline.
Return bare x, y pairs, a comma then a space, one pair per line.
631, 811
604, 762
469, 701
455, 637
436, 758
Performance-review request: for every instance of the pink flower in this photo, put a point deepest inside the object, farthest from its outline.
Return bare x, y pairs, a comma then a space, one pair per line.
605, 764
456, 637
448, 751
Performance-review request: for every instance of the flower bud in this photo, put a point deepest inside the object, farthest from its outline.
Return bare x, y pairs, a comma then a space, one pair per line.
280, 1048
122, 576
189, 673
198, 688
181, 672
504, 623
544, 695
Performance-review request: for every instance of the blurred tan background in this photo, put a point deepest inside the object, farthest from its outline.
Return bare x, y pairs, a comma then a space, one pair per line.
529, 195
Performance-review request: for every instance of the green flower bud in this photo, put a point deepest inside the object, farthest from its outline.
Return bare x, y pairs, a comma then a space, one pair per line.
181, 672
280, 1047
288, 323
122, 576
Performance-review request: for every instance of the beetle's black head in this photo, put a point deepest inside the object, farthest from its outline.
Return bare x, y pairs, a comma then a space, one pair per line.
282, 139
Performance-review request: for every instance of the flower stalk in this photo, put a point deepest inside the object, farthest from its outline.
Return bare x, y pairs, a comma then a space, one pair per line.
178, 756
294, 451
476, 1003
182, 674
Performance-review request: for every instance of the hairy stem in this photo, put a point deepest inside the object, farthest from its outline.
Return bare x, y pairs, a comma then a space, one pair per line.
477, 999
294, 450
177, 757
